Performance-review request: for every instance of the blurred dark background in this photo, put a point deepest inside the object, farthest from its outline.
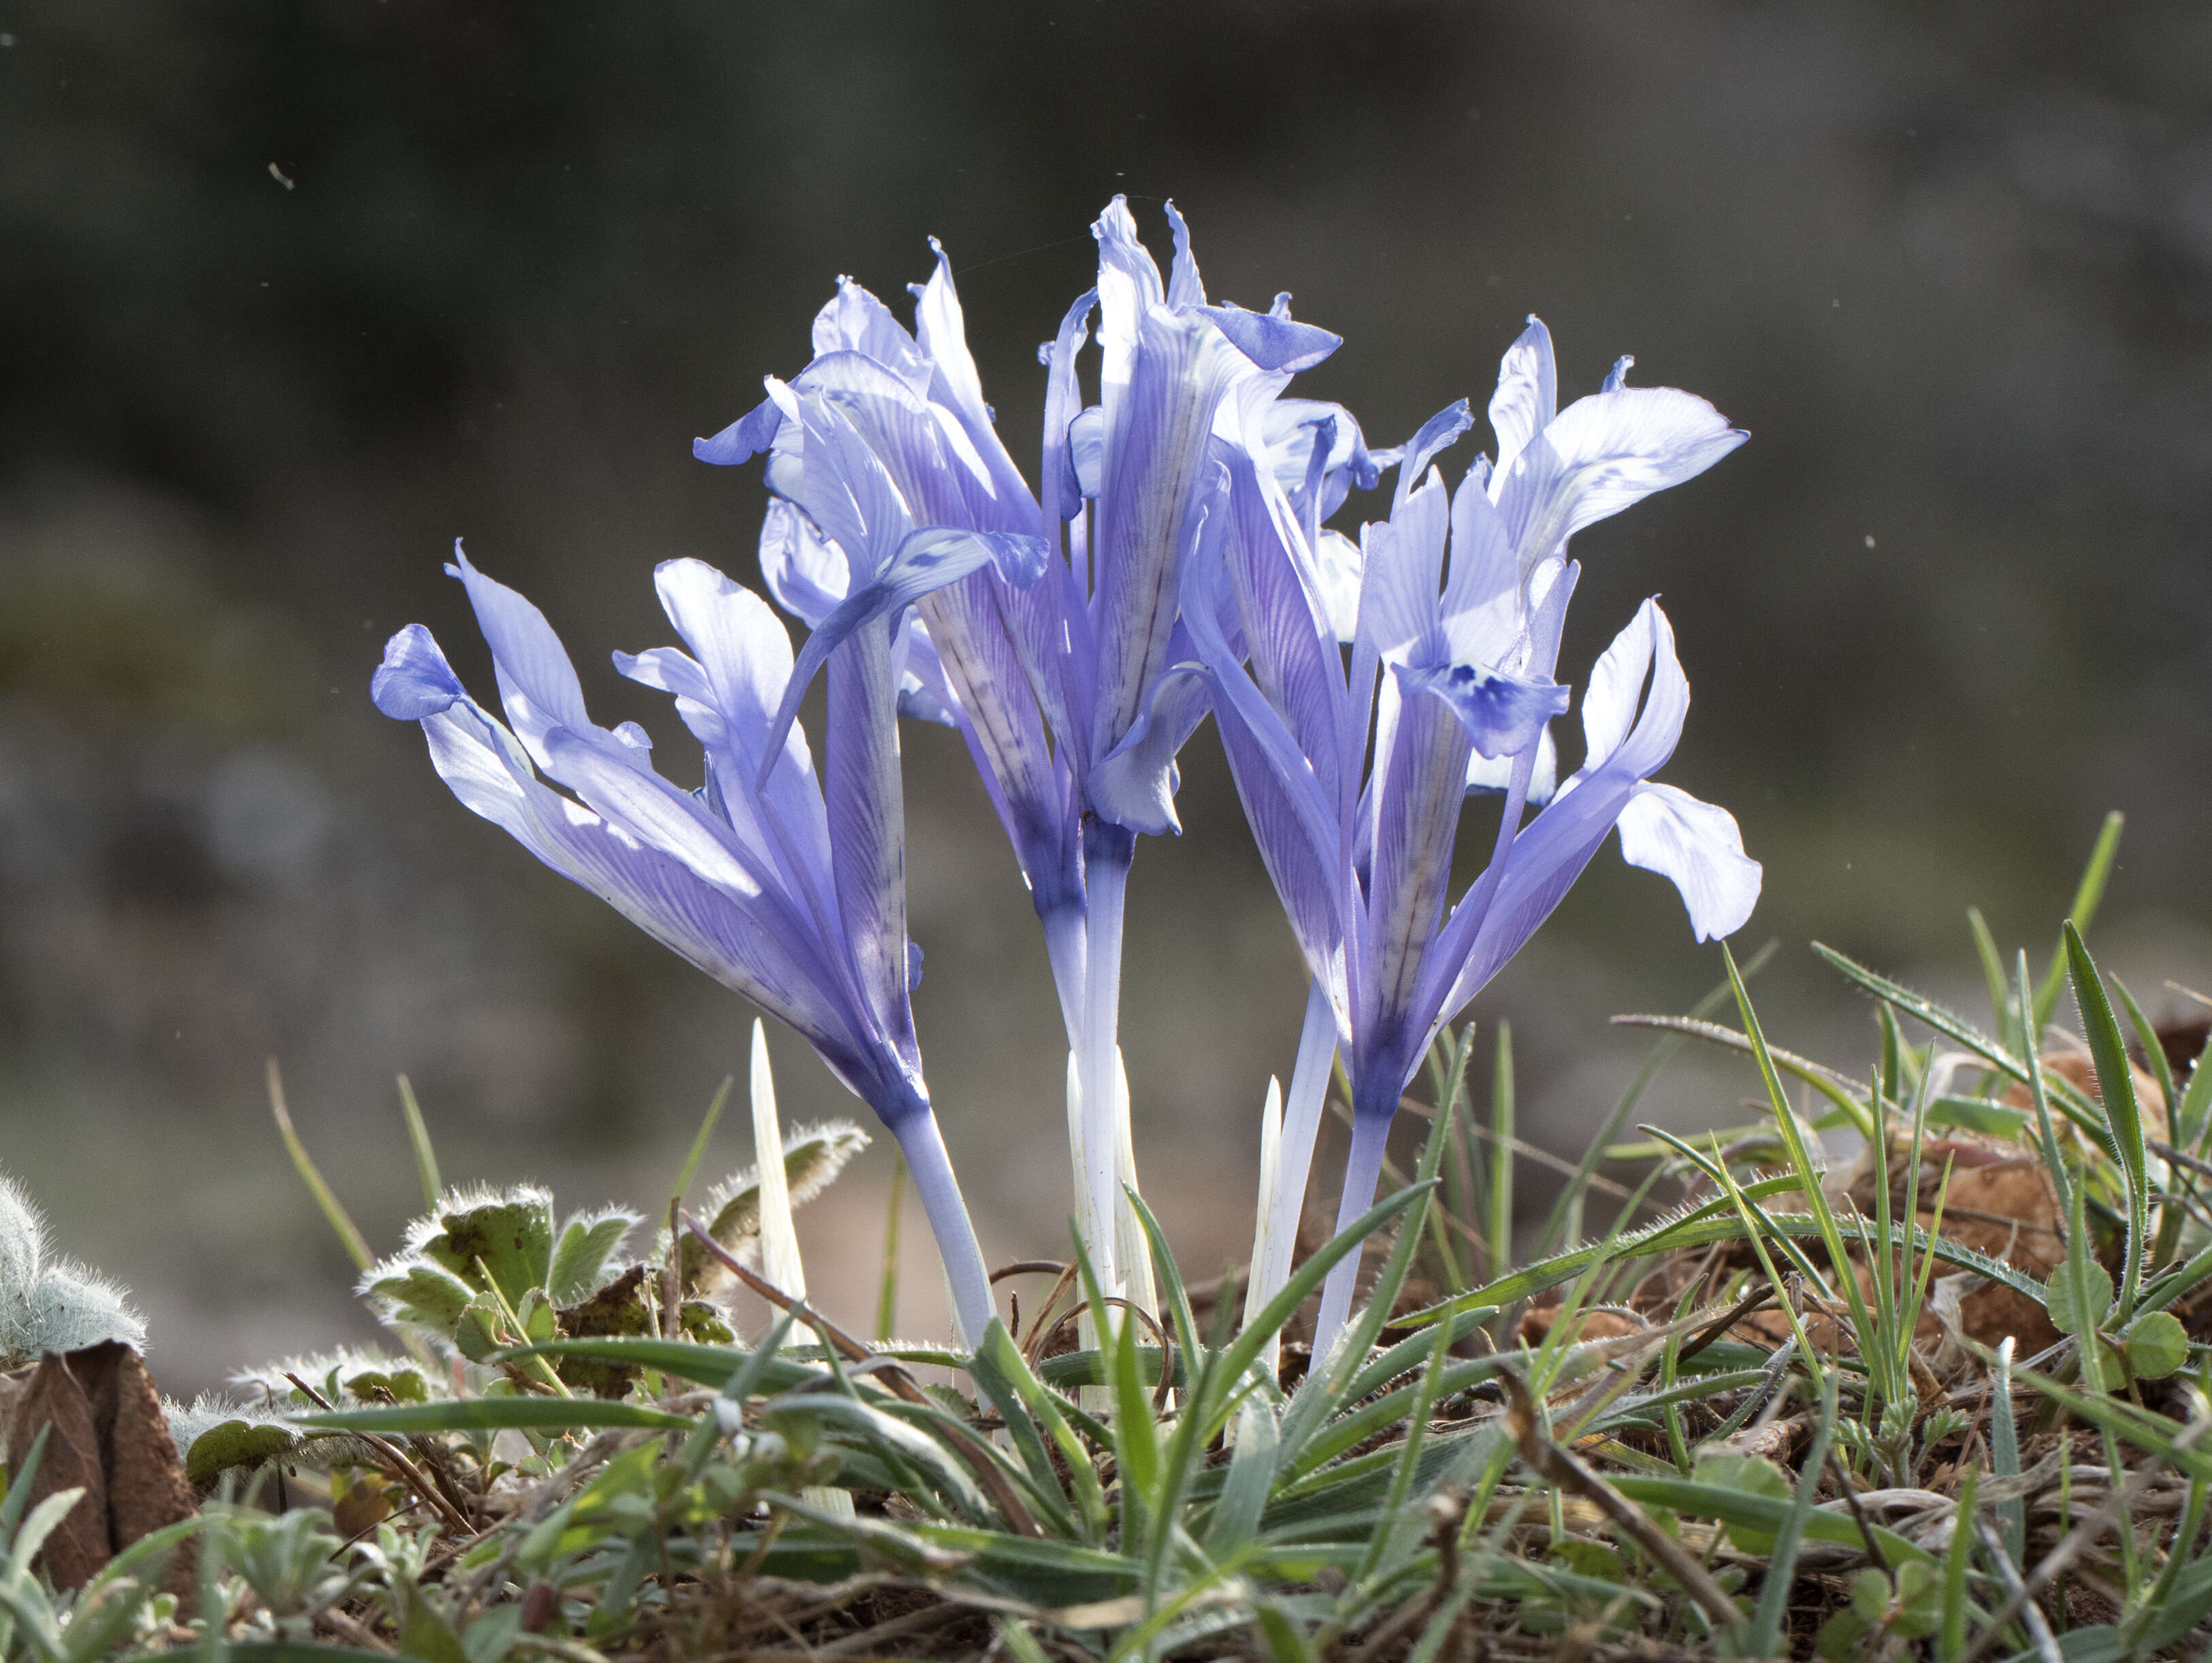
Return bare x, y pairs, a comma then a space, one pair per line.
291, 295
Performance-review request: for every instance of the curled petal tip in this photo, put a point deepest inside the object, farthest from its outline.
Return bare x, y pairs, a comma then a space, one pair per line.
414, 681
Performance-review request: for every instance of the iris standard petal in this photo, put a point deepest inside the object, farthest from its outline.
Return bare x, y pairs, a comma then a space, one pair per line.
1528, 395
926, 560
854, 321
1699, 847
1616, 687
1158, 429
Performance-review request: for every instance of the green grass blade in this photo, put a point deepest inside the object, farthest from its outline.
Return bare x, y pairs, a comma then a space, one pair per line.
325, 1198
497, 1413
1236, 1516
1569, 1205
2123, 1116
418, 1139
887, 1284
1951, 1638
1501, 1162
1764, 1637
1924, 1011
1985, 949
1005, 1359
988, 1370
2046, 1136
2087, 897
1174, 1295
699, 1144
1245, 1349
1835, 1087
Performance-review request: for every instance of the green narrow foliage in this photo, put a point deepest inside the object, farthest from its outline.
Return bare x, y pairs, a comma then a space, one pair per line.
2123, 1116
1501, 1163
418, 1139
2046, 1136
2087, 896
325, 1198
1764, 1637
2001, 1011
495, 1414
1951, 1637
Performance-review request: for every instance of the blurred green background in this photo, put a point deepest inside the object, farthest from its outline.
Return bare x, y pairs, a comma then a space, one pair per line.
291, 295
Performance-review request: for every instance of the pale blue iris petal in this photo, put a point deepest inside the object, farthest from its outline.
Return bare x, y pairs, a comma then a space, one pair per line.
1604, 453
1699, 847
1491, 776
1503, 715
1273, 343
1440, 430
926, 560
744, 439
1528, 395
414, 681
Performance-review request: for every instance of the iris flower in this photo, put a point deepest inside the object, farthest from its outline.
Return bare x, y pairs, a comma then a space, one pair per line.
1065, 689
1451, 672
787, 888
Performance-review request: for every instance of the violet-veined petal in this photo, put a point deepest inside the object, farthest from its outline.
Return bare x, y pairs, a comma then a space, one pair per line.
927, 559
1274, 344
1528, 395
1604, 453
1504, 715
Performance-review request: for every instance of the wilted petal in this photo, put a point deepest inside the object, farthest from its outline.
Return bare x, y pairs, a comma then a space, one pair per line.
1698, 846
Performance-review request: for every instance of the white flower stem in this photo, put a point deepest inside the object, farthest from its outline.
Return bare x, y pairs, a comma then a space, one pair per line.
931, 1169
1362, 1169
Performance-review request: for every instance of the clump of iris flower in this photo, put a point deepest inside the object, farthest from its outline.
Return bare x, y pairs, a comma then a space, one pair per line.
1065, 689
1450, 675
789, 889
